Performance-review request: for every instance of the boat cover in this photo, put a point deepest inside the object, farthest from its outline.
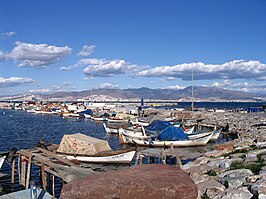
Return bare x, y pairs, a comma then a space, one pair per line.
157, 126
172, 133
80, 144
87, 111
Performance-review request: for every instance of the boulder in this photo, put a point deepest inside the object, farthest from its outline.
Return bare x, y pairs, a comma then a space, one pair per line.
142, 181
234, 178
212, 186
234, 193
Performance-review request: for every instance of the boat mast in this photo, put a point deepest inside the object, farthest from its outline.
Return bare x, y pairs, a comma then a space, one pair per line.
192, 87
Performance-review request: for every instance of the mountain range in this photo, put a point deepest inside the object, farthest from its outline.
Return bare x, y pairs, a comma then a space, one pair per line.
200, 93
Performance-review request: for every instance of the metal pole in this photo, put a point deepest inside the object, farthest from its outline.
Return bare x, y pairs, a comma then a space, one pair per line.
192, 88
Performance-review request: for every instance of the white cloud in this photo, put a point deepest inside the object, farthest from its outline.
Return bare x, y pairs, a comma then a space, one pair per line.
229, 70
241, 86
40, 90
108, 68
87, 50
37, 55
108, 86
15, 81
176, 87
9, 34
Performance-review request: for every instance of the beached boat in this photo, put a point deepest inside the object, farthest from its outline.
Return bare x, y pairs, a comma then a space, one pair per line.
125, 135
182, 143
173, 136
84, 148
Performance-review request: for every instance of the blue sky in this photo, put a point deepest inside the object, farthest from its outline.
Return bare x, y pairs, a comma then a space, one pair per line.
49, 46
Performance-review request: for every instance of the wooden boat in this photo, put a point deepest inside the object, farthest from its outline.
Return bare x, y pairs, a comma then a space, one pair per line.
138, 122
99, 118
2, 159
87, 116
114, 158
216, 134
110, 130
125, 136
183, 143
116, 120
84, 148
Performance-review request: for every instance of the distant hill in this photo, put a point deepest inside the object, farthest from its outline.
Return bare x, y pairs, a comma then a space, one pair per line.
200, 93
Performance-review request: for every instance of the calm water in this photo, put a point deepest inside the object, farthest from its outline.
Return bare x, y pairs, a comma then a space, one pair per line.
24, 130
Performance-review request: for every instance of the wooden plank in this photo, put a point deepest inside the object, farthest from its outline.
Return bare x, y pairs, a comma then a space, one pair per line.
29, 171
23, 171
19, 174
53, 155
13, 172
43, 174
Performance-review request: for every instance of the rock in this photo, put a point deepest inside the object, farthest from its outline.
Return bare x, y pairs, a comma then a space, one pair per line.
228, 146
198, 170
235, 178
251, 159
254, 153
142, 181
215, 153
253, 178
234, 193
236, 173
259, 187
243, 144
212, 186
262, 196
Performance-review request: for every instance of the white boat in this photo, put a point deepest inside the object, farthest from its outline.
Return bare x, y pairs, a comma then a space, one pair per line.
183, 143
116, 120
99, 118
119, 158
110, 130
126, 135
88, 149
87, 116
138, 122
216, 134
2, 159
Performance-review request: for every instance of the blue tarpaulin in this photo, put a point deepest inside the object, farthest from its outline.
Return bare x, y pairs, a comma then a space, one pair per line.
88, 111
172, 133
157, 126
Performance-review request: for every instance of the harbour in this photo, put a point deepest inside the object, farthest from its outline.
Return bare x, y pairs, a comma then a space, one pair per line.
36, 127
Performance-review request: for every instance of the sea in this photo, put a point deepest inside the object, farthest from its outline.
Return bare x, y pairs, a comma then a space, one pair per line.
24, 130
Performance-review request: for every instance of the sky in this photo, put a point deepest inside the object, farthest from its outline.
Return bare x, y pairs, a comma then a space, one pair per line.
50, 46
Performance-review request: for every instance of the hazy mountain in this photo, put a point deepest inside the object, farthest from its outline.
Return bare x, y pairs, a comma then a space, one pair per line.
200, 92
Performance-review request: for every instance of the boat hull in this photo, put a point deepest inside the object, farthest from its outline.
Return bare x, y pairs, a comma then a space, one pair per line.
184, 143
122, 158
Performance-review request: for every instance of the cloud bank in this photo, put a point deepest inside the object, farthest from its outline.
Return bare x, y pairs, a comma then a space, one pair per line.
107, 68
36, 55
15, 81
230, 70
